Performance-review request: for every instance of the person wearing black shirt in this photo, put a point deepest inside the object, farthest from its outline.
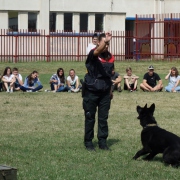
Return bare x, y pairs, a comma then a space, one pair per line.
97, 92
150, 81
116, 81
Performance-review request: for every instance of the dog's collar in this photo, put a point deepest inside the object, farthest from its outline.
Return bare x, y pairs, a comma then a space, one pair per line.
150, 125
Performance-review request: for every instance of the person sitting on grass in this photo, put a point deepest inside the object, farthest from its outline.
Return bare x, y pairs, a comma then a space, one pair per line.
32, 83
8, 80
173, 77
73, 82
150, 80
116, 81
130, 80
18, 79
0, 83
57, 81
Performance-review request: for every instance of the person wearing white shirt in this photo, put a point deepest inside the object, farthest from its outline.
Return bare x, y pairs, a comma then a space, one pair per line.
18, 79
93, 44
8, 79
72, 81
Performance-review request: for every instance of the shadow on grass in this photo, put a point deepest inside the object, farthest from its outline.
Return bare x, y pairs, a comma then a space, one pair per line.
110, 142
156, 159
160, 159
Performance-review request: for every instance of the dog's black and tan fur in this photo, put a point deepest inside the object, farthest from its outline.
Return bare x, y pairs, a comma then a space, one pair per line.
156, 140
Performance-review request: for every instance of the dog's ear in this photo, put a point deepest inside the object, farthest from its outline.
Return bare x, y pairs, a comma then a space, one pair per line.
139, 109
145, 107
152, 108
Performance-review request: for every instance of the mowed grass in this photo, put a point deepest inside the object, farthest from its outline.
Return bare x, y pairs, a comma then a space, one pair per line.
41, 134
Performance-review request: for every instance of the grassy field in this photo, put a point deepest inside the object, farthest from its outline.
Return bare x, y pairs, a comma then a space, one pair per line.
41, 134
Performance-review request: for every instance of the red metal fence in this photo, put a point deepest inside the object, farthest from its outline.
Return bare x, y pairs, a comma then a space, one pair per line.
157, 36
153, 37
25, 46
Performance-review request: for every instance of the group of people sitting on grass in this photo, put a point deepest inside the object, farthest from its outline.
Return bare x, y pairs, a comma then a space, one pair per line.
12, 81
151, 81
59, 83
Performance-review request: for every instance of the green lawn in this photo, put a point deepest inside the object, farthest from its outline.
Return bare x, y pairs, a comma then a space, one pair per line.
41, 134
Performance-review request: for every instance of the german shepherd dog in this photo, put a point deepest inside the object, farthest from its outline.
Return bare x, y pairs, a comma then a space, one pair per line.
156, 140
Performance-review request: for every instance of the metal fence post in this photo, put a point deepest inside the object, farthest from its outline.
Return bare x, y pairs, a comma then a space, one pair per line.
48, 48
16, 49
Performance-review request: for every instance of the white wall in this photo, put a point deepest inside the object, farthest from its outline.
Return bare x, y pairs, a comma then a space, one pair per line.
76, 22
21, 5
43, 17
114, 22
3, 19
23, 20
171, 6
59, 21
131, 7
91, 20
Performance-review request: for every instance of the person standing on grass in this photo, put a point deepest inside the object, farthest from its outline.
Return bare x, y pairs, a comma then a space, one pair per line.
8, 80
150, 80
97, 92
31, 83
18, 79
173, 77
116, 81
130, 80
93, 44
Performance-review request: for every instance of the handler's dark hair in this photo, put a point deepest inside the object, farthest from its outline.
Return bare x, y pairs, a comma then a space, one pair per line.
102, 35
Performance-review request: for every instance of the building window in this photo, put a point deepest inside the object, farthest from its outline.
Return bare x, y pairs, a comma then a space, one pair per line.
13, 20
99, 22
52, 22
68, 22
83, 22
32, 21
129, 26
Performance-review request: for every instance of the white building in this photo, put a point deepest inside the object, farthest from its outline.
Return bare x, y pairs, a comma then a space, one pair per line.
79, 15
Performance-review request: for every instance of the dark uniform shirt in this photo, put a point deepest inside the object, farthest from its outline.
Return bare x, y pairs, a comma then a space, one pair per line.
151, 80
99, 73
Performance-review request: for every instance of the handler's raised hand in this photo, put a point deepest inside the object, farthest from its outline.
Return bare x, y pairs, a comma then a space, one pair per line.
108, 36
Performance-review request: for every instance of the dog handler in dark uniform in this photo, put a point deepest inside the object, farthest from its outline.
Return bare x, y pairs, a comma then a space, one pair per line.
97, 91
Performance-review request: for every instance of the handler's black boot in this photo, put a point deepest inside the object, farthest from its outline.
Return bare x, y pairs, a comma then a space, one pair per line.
90, 148
104, 147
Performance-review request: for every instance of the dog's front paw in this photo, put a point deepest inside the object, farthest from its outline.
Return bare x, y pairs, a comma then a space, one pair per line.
147, 158
134, 158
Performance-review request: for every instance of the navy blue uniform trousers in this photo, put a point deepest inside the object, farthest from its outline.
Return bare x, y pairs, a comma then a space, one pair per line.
96, 102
